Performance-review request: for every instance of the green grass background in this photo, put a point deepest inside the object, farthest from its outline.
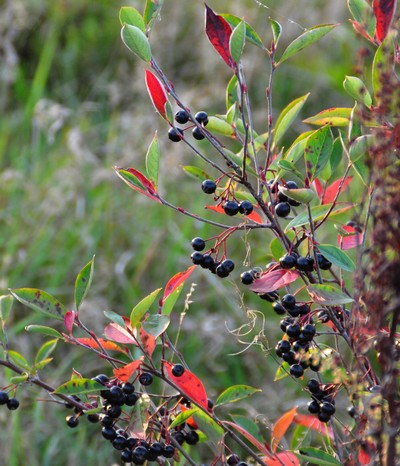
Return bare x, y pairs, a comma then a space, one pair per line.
73, 104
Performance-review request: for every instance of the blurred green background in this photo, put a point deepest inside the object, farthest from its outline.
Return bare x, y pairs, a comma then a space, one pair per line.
73, 104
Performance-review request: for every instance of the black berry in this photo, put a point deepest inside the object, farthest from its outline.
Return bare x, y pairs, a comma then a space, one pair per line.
192, 437
221, 271
208, 262
327, 408
146, 378
113, 411
181, 117
247, 278
306, 264
108, 433
12, 404
308, 332
313, 407
288, 301
94, 418
323, 417
289, 357
351, 411
208, 186
139, 455
278, 308
178, 370
232, 460
246, 207
197, 133
197, 258
291, 185
282, 209
130, 400
101, 378
296, 370
174, 134
293, 330
198, 244
128, 388
231, 208
323, 262
202, 118
72, 421
168, 451
119, 442
313, 385
284, 346
287, 262
228, 265
3, 398
126, 456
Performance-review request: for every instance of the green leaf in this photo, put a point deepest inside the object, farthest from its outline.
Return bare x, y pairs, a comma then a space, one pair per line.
337, 116
328, 295
196, 172
6, 302
317, 456
251, 34
19, 379
169, 112
245, 423
40, 301
303, 195
48, 331
307, 38
181, 417
317, 151
206, 424
289, 167
45, 350
79, 386
171, 300
337, 257
363, 14
382, 64
336, 155
19, 360
360, 147
235, 393
237, 41
83, 282
296, 150
358, 90
362, 171
152, 11
231, 92
42, 363
287, 116
156, 324
142, 307
282, 371
153, 160
114, 317
276, 31
130, 179
129, 15
220, 126
318, 213
136, 41
276, 248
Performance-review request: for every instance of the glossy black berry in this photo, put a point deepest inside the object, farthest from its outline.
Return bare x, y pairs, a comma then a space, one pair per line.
174, 134
287, 262
242, 463
294, 312
192, 437
116, 396
228, 265
323, 262
232, 460
271, 297
197, 133
315, 364
291, 185
146, 378
246, 207
107, 421
308, 332
273, 186
94, 418
108, 433
126, 456
119, 442
351, 411
12, 404
293, 330
3, 398
284, 323
289, 357
300, 347
130, 400
313, 385
113, 411
179, 437
296, 370
323, 317
313, 407
288, 301
132, 442
303, 309
197, 258
139, 455
208, 262
305, 264
323, 417
168, 451
208, 186
221, 271
202, 118
181, 117
72, 421
247, 278
231, 208
327, 408
128, 388
178, 370
284, 346
198, 244
282, 209
156, 448
282, 197
101, 378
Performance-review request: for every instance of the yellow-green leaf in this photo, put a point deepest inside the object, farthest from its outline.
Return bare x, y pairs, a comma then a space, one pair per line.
136, 41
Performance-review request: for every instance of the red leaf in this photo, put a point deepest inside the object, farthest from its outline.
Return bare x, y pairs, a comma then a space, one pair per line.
189, 385
119, 334
271, 281
124, 373
91, 343
360, 29
256, 217
175, 281
383, 10
351, 241
331, 191
219, 32
145, 181
284, 458
281, 426
307, 420
157, 92
261, 448
69, 318
318, 188
148, 187
148, 342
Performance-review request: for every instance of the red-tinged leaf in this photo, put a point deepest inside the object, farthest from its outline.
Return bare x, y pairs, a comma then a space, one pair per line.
281, 426
175, 281
260, 447
331, 190
189, 421
157, 92
91, 343
274, 280
318, 188
284, 458
145, 181
119, 334
189, 385
138, 182
255, 216
383, 11
69, 318
219, 32
307, 420
148, 341
360, 29
124, 373
350, 241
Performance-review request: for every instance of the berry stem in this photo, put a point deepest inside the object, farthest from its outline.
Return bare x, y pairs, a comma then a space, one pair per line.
269, 109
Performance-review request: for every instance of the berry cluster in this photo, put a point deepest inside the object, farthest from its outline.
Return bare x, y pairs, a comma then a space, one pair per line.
304, 264
282, 204
206, 261
12, 403
182, 117
322, 403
